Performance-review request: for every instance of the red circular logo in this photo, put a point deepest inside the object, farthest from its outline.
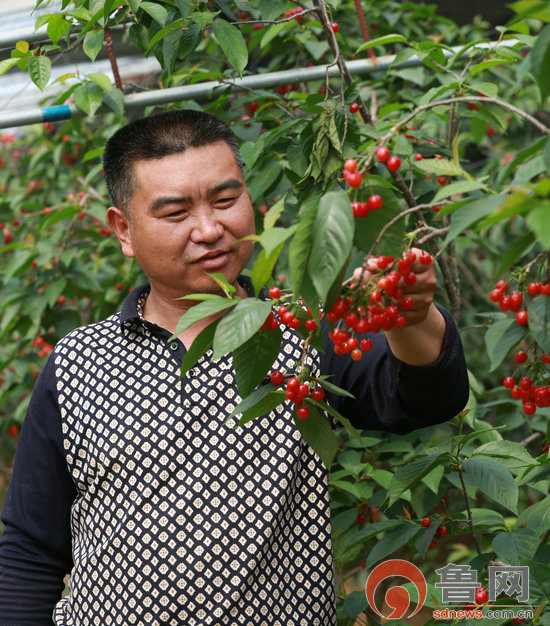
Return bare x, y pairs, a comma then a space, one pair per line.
397, 598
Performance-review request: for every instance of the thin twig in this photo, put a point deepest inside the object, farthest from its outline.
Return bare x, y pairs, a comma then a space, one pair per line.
112, 57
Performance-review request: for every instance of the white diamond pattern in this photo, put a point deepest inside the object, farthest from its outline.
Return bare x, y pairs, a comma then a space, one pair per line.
181, 520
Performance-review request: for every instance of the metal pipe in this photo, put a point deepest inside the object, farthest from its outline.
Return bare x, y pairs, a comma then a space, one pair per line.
201, 90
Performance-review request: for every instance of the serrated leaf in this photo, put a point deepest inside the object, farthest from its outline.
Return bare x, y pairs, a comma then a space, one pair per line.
407, 475
370, 532
271, 9
470, 213
88, 98
93, 42
300, 245
202, 342
493, 480
440, 167
381, 41
540, 61
7, 64
262, 407
537, 517
368, 228
274, 30
538, 220
392, 541
501, 336
57, 28
274, 213
40, 69
517, 546
156, 11
332, 240
263, 267
165, 31
539, 321
102, 80
232, 43
254, 359
239, 324
18, 260
317, 432
202, 310
54, 290
251, 151
251, 401
508, 449
461, 186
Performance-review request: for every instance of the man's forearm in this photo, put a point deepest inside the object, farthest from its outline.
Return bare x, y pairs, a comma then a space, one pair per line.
419, 344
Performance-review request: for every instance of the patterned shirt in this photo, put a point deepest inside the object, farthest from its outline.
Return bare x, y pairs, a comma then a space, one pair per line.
127, 476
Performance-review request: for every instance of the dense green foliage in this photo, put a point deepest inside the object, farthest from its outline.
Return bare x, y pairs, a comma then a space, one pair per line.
480, 197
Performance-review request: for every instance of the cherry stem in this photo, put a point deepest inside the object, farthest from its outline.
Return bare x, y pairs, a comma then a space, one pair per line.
112, 57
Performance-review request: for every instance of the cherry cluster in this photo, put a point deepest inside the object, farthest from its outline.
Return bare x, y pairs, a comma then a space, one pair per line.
45, 347
296, 391
527, 388
373, 307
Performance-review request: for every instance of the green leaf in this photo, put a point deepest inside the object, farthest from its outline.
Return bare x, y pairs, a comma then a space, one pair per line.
40, 69
368, 228
265, 405
440, 167
202, 342
392, 541
540, 62
537, 517
258, 396
263, 267
202, 310
54, 290
251, 151
493, 480
411, 473
102, 80
178, 24
93, 42
18, 260
274, 213
539, 221
300, 245
512, 254
7, 64
58, 27
254, 359
317, 432
381, 41
370, 532
470, 213
507, 449
156, 11
232, 43
272, 238
355, 603
239, 324
88, 98
539, 321
517, 546
461, 186
332, 240
274, 30
501, 336
271, 9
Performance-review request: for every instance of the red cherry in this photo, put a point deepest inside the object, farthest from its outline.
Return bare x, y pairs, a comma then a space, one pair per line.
354, 179
302, 412
393, 163
432, 545
481, 596
441, 531
545, 289
318, 394
287, 317
522, 317
407, 303
350, 165
546, 358
533, 289
426, 522
61, 299
496, 295
382, 153
374, 202
354, 107
293, 384
521, 357
418, 157
276, 377
366, 345
275, 292
356, 355
310, 324
529, 408
508, 382
335, 27
303, 390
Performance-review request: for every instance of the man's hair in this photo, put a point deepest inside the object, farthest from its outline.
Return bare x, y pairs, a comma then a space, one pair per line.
155, 137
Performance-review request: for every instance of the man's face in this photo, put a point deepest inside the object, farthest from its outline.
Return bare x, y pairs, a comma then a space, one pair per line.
187, 215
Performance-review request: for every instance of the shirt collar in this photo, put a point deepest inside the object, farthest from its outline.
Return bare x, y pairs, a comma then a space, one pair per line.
132, 307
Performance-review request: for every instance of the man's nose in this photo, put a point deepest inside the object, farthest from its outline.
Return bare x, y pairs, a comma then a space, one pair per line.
207, 227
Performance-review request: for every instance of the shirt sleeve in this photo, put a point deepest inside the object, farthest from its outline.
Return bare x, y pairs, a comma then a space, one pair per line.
392, 396
35, 549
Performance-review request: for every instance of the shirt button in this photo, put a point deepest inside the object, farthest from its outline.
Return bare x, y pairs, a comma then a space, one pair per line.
174, 346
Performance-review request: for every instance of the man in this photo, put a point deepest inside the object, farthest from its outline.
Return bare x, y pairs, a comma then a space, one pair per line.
125, 475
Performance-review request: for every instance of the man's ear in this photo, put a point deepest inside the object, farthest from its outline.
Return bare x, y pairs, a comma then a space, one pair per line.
119, 222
